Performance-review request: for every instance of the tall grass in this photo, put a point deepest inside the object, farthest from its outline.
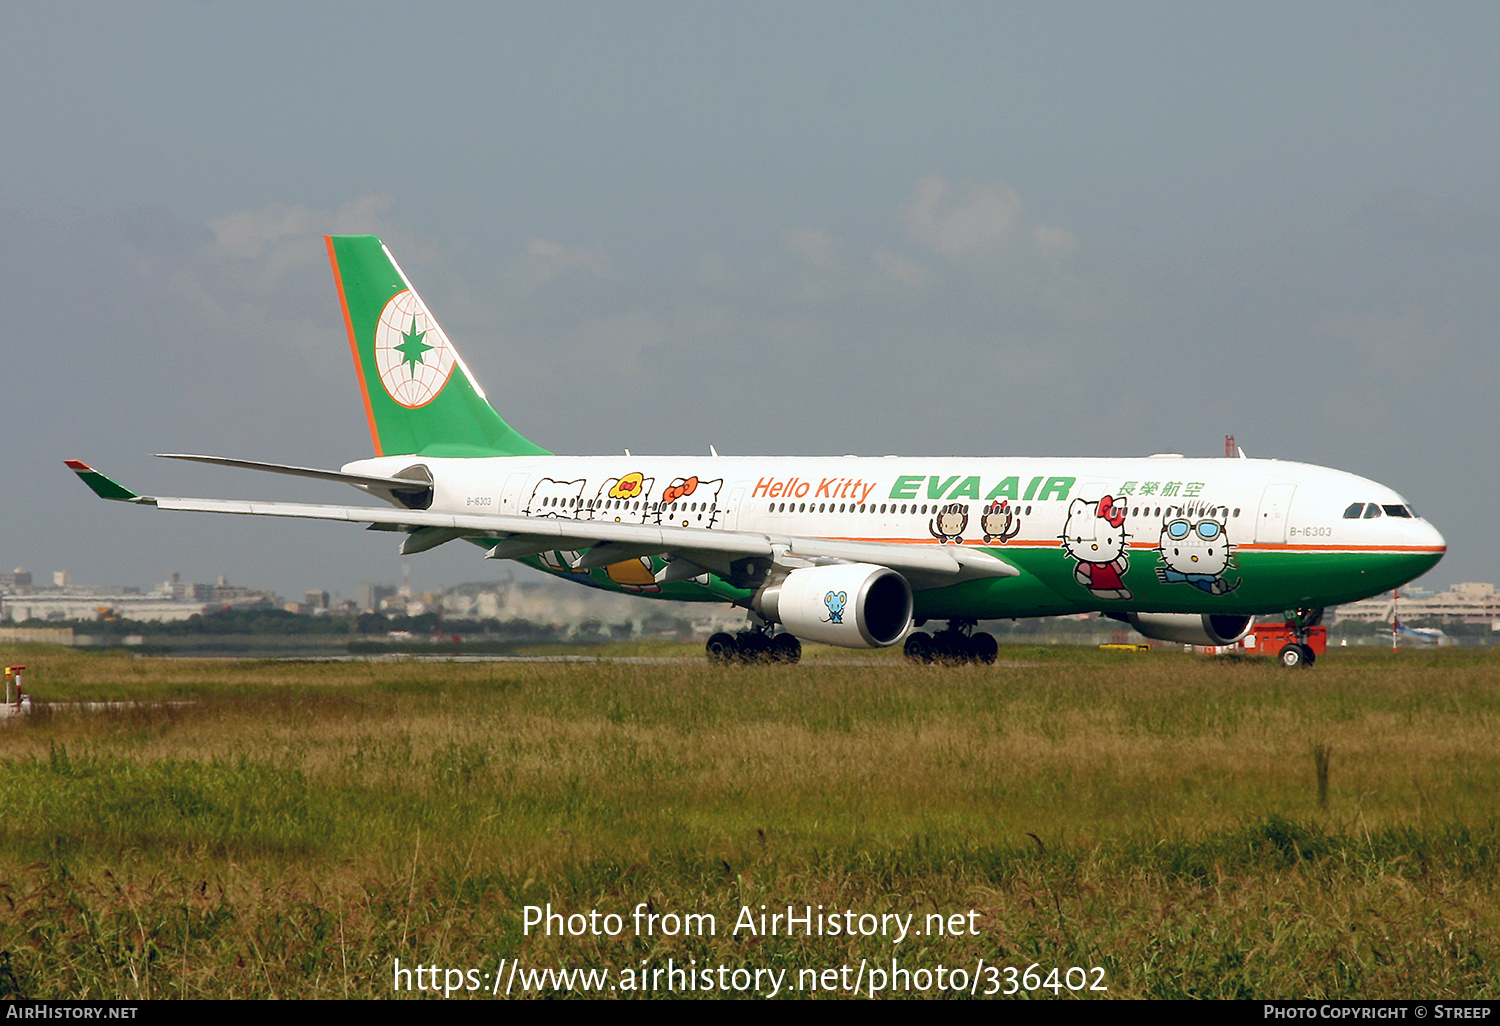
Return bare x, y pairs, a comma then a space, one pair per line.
294, 828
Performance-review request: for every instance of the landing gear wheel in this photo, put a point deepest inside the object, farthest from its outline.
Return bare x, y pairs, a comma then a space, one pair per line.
785, 648
754, 647
983, 648
1293, 656
950, 646
722, 649
919, 648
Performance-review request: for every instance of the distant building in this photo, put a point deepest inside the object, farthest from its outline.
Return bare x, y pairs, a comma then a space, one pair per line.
173, 600
1471, 602
368, 597
51, 604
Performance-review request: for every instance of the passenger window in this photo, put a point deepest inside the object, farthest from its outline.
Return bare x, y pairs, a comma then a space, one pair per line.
1354, 511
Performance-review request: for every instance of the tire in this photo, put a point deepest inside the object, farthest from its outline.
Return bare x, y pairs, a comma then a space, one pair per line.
949, 647
785, 648
1292, 656
919, 648
983, 648
722, 648
754, 647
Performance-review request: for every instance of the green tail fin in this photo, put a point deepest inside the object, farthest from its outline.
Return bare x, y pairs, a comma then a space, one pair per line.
419, 396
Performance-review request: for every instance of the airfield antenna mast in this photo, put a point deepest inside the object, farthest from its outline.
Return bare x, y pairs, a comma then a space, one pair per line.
1229, 448
1395, 620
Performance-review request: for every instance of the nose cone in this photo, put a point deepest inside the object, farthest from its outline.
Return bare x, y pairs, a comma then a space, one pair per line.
1432, 538
1423, 548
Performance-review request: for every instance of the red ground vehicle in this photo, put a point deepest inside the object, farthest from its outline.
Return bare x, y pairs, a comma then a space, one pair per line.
1280, 640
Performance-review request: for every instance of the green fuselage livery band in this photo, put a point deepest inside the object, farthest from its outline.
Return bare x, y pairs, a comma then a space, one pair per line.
842, 550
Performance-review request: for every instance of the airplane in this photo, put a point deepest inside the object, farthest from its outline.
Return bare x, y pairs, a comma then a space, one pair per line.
849, 551
1421, 635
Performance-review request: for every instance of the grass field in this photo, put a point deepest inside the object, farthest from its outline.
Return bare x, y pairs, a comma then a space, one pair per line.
1189, 826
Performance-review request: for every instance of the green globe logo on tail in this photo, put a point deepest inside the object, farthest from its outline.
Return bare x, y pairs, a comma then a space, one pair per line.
419, 396
412, 355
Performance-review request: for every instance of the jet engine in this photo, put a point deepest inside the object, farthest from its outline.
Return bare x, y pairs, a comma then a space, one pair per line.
1191, 628
856, 605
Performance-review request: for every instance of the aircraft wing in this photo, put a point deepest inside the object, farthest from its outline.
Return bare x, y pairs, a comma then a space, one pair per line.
607, 542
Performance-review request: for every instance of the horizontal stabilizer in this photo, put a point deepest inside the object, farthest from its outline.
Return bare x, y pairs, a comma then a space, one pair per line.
679, 570
424, 538
612, 552
358, 480
521, 545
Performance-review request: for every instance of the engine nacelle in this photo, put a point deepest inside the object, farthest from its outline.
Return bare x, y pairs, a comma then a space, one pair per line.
1191, 628
856, 605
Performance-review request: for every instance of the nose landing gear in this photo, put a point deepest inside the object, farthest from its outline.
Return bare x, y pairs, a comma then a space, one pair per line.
1300, 654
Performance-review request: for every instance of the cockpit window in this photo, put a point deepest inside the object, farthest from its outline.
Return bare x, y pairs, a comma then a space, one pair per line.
1396, 511
1354, 511
1372, 511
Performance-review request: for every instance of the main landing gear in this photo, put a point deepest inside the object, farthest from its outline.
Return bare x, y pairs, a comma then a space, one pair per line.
1299, 654
754, 646
958, 643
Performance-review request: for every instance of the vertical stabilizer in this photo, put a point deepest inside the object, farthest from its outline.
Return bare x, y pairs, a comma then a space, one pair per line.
419, 396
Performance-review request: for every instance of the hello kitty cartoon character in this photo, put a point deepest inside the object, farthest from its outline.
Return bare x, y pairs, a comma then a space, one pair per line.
1196, 551
1094, 535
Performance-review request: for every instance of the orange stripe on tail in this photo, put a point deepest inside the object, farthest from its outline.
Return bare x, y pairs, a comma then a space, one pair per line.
359, 368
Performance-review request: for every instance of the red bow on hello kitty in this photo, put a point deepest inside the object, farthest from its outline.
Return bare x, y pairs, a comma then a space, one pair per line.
1109, 511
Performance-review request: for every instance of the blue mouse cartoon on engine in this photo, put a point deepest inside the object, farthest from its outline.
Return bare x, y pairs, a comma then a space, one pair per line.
835, 601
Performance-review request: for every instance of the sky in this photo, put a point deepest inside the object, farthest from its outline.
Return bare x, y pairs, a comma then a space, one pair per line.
936, 228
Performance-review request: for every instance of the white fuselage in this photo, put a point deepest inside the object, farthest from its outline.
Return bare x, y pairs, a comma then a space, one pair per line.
1267, 506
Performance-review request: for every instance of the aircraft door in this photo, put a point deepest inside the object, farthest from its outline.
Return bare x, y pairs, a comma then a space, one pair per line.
732, 514
1270, 521
513, 494
1092, 490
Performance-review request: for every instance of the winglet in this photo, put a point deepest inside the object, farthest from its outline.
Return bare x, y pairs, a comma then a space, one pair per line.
103, 486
